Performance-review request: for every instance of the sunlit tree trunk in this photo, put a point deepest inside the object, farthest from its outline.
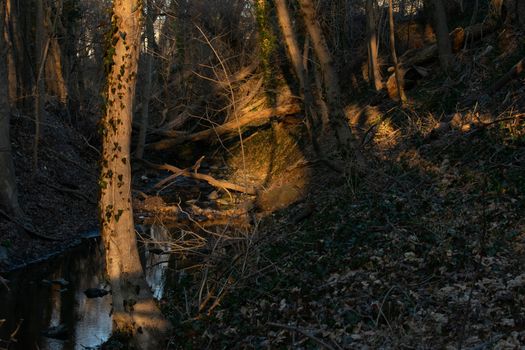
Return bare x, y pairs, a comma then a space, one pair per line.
8, 192
399, 82
135, 312
374, 75
337, 117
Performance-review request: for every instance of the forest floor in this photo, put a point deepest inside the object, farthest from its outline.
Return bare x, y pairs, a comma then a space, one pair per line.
59, 200
422, 249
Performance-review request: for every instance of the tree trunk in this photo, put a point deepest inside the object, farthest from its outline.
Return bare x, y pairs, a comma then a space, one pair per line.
8, 192
146, 93
134, 310
443, 39
338, 121
399, 83
296, 58
21, 73
40, 54
374, 75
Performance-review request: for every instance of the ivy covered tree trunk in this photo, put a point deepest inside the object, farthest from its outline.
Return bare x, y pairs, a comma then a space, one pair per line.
135, 313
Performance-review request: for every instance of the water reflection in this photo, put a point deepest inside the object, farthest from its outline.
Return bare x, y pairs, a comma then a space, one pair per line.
50, 299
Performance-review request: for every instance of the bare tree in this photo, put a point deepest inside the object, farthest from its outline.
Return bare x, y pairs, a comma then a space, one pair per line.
150, 48
337, 117
134, 310
443, 39
399, 83
8, 191
374, 74
296, 58
41, 50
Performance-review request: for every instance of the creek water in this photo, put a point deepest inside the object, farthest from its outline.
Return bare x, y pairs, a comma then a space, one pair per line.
48, 303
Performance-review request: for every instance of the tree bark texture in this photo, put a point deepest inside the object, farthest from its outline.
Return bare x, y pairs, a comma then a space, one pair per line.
41, 49
135, 313
397, 73
148, 73
338, 121
296, 58
443, 39
8, 191
21, 69
374, 74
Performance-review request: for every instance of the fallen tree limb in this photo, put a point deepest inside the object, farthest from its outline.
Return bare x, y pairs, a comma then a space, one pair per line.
209, 179
513, 73
459, 37
251, 119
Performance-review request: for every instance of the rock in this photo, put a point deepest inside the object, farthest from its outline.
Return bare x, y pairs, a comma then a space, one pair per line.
3, 254
58, 332
95, 293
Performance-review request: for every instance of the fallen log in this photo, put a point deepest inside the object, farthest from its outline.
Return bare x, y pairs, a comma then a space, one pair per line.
203, 177
251, 119
459, 37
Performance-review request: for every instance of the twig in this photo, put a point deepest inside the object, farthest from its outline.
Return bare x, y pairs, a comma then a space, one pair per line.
13, 335
303, 332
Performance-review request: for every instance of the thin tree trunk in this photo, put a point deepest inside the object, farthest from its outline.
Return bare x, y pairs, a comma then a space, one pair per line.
11, 59
443, 38
146, 93
338, 121
134, 310
53, 78
296, 58
8, 190
374, 75
40, 54
21, 67
399, 83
